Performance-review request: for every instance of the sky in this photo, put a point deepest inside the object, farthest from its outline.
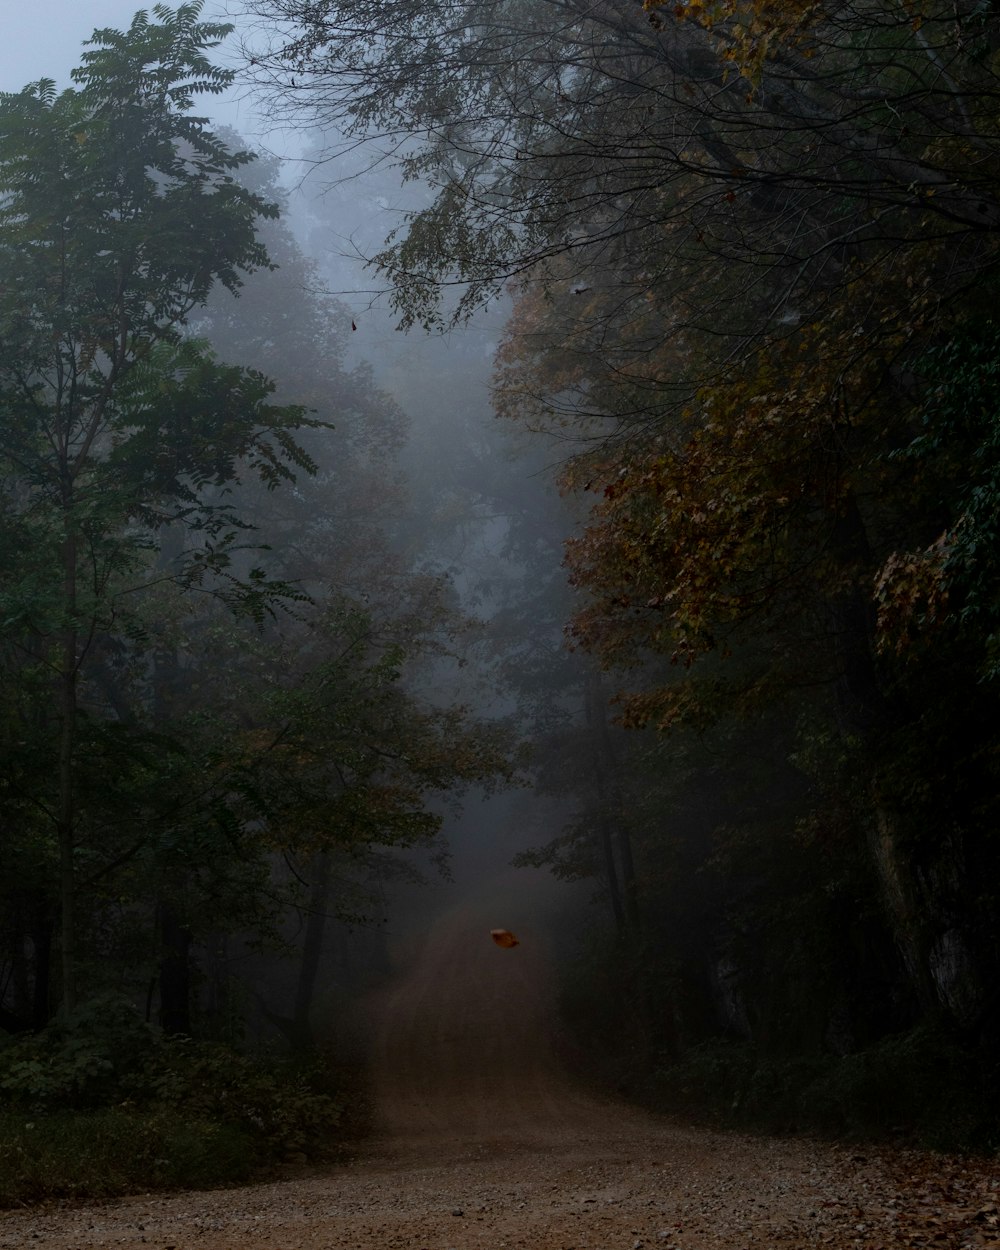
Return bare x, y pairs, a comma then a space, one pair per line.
44, 39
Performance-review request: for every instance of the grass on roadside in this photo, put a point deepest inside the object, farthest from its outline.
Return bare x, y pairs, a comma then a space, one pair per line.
103, 1153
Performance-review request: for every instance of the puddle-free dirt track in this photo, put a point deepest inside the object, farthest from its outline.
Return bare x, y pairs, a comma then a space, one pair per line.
482, 1142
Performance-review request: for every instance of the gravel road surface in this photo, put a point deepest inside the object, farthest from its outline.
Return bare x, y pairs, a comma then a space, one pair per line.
482, 1142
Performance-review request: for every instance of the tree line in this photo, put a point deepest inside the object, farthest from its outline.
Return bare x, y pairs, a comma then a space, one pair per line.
208, 629
752, 252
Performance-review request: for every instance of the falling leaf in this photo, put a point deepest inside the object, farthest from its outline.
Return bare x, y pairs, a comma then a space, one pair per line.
504, 938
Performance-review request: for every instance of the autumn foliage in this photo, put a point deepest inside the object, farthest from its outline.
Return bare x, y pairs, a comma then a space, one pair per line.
786, 477
752, 255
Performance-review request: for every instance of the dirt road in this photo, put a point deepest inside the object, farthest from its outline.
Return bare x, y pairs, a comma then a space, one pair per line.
483, 1142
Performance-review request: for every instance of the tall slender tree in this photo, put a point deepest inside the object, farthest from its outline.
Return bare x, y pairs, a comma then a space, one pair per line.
119, 213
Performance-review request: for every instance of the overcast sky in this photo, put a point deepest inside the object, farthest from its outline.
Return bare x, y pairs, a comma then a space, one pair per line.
44, 39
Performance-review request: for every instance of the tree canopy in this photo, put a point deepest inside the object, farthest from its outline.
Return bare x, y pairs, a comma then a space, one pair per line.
752, 251
184, 710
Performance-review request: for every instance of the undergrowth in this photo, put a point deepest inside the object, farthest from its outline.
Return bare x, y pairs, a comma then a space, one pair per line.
934, 1085
117, 1150
925, 1086
104, 1104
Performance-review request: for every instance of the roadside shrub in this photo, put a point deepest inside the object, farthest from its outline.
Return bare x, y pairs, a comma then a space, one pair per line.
925, 1085
105, 1055
103, 1104
711, 1080
76, 1062
284, 1105
99, 1154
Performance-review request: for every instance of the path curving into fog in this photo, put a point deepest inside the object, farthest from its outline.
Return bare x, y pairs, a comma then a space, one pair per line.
482, 1141
465, 1044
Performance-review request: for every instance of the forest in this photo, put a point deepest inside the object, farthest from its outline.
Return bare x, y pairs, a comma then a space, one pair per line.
707, 584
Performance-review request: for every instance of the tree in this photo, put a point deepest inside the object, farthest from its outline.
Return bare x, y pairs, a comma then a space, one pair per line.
349, 534
780, 143
752, 250
742, 539
120, 213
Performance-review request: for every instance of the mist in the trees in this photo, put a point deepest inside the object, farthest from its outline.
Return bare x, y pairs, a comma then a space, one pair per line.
749, 307
567, 486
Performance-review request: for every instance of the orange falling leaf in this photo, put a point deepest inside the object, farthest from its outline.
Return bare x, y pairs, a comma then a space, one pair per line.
504, 938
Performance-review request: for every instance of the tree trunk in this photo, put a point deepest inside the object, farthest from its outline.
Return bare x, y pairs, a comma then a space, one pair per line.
175, 937
616, 838
866, 715
65, 820
616, 842
312, 951
595, 714
41, 939
175, 973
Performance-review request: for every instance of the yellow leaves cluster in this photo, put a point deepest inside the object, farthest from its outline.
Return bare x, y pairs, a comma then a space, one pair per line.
911, 596
686, 544
724, 530
751, 31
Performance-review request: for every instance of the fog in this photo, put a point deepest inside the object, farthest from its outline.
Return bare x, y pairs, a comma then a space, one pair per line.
565, 513
452, 519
